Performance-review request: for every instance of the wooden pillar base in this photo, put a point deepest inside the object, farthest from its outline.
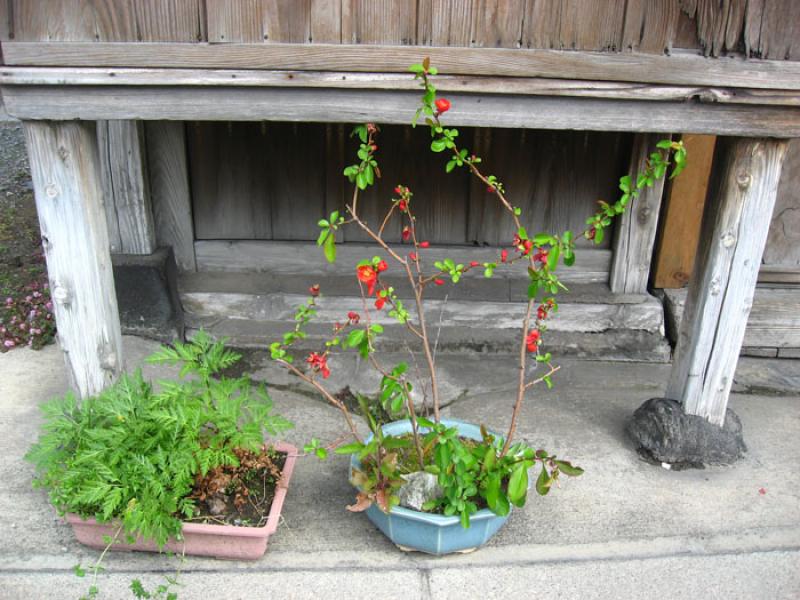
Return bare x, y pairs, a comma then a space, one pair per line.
66, 180
732, 240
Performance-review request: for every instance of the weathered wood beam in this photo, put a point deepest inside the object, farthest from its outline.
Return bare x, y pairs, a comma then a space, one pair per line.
635, 233
734, 232
66, 179
126, 187
353, 106
395, 81
680, 69
169, 189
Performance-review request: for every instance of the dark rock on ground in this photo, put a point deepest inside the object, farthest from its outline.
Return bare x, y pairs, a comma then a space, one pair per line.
665, 434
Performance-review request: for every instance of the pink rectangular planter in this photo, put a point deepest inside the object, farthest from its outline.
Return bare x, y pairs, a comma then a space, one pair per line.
219, 541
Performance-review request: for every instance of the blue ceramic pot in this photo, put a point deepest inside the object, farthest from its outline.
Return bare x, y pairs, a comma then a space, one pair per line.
426, 532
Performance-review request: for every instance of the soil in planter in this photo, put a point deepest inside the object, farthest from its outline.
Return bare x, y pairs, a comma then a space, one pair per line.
241, 495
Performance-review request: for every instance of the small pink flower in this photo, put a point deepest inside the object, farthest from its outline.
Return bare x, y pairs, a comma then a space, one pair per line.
49, 305
9, 300
9, 344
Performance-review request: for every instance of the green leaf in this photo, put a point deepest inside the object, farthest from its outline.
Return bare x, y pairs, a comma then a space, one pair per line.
523, 235
664, 144
518, 485
599, 235
543, 482
517, 211
533, 289
450, 166
355, 337
438, 145
323, 235
349, 448
568, 468
552, 257
329, 248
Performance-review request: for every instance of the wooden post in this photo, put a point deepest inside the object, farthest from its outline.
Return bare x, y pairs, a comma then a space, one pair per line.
126, 187
732, 240
66, 180
168, 167
635, 234
680, 228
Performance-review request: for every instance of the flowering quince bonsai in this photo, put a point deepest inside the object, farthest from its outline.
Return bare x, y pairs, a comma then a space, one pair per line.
472, 474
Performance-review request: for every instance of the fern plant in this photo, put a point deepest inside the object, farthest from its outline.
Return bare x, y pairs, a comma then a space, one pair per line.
131, 454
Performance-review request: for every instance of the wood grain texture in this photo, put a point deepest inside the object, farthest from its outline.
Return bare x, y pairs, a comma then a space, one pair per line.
387, 81
349, 106
169, 20
772, 29
235, 20
295, 182
444, 23
650, 27
106, 20
537, 170
126, 187
783, 243
229, 182
678, 69
774, 320
542, 25
497, 23
594, 25
66, 179
734, 233
167, 163
287, 21
392, 22
325, 21
680, 229
635, 230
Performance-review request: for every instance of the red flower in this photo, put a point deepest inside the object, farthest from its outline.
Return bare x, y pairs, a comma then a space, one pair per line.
532, 341
541, 313
353, 317
406, 233
398, 190
490, 189
314, 290
367, 274
592, 233
540, 256
374, 147
503, 255
402, 205
382, 266
379, 302
319, 362
527, 246
438, 281
442, 105
424, 244
474, 263
412, 256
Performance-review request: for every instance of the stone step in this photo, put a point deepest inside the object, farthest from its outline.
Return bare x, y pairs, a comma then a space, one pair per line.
591, 321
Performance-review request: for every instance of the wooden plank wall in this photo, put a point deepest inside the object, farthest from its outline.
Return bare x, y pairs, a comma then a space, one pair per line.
274, 181
758, 28
108, 20
783, 243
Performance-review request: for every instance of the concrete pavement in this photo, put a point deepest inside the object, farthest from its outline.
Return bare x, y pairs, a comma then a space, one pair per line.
626, 529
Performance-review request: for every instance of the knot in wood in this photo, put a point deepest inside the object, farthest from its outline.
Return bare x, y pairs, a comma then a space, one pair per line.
728, 239
51, 190
63, 153
744, 179
714, 287
61, 295
108, 360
